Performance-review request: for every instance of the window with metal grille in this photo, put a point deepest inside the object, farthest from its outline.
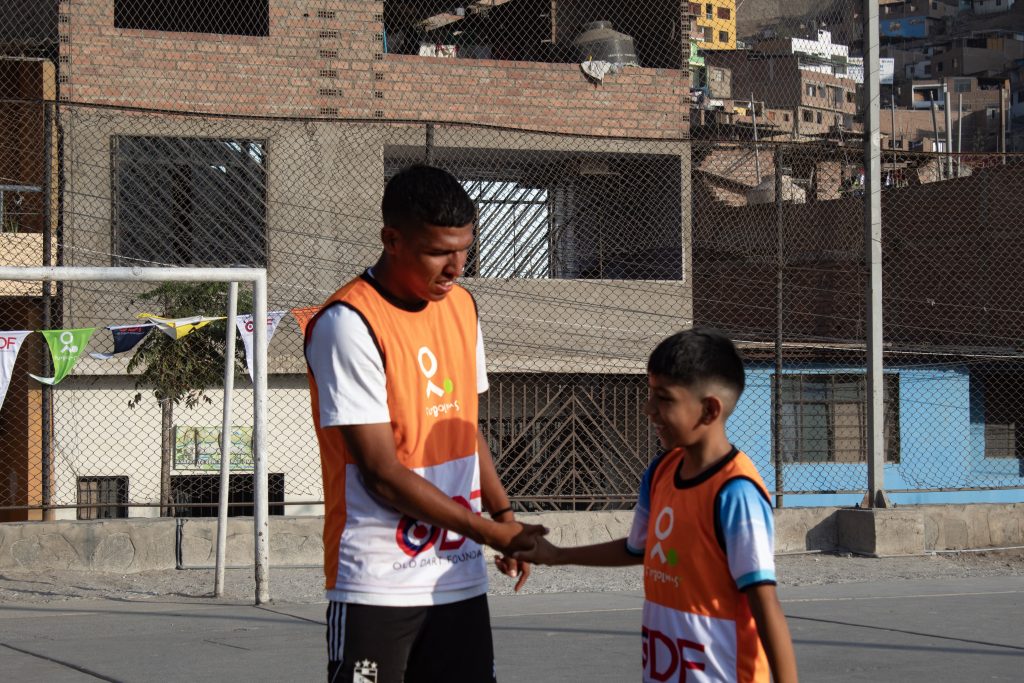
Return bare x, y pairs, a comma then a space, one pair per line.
995, 401
723, 36
570, 216
189, 201
513, 229
102, 497
197, 495
229, 17
569, 442
824, 417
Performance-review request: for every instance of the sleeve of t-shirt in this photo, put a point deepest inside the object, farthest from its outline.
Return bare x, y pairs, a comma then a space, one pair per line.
481, 361
637, 539
348, 369
748, 530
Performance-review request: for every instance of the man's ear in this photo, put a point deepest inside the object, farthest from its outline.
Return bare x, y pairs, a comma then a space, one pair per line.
390, 237
713, 408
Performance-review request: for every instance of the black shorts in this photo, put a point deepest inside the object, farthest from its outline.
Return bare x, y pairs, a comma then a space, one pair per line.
374, 644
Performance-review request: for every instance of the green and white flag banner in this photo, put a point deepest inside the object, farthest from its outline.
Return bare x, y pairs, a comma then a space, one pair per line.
65, 348
10, 344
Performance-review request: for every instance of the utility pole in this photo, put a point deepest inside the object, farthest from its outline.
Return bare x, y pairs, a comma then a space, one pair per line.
875, 496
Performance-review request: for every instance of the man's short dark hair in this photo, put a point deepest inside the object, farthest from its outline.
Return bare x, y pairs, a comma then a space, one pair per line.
420, 195
702, 354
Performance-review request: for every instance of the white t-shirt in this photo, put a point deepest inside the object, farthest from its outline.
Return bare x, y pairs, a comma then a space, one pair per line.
350, 373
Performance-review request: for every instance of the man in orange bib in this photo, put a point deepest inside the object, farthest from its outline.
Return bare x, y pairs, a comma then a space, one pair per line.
702, 529
395, 362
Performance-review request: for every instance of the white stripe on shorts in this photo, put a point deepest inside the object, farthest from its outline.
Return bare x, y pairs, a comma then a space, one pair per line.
336, 631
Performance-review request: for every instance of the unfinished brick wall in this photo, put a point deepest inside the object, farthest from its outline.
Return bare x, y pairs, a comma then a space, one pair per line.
637, 102
318, 55
326, 59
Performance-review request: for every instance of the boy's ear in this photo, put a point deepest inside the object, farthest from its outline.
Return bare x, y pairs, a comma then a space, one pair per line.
713, 408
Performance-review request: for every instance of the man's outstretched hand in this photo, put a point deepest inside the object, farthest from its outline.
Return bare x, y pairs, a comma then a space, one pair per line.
512, 537
517, 569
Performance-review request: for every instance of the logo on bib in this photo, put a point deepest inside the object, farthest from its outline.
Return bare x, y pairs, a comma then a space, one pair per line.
428, 366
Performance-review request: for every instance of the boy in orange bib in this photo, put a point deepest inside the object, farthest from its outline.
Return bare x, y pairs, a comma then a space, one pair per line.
702, 529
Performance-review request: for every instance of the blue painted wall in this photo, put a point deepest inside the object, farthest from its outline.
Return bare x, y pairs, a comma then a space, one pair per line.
941, 442
905, 27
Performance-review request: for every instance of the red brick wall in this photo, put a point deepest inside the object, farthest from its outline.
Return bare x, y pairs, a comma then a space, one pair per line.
650, 103
277, 75
293, 72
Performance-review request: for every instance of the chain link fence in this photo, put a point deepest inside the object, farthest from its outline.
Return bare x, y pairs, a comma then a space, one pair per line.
638, 167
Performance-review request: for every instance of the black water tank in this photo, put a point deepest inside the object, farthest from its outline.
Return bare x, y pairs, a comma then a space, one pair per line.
600, 42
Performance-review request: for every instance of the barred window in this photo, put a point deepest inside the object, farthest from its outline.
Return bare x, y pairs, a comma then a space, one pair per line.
189, 201
229, 17
102, 497
197, 495
824, 417
994, 401
569, 216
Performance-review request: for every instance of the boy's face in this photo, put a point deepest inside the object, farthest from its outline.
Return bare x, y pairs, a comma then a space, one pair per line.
428, 261
678, 415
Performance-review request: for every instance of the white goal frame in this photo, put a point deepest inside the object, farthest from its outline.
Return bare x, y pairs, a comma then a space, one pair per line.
258, 278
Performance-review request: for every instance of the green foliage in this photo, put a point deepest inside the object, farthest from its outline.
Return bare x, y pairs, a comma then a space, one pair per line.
183, 369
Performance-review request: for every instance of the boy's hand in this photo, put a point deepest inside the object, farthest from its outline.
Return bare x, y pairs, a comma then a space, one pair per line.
543, 552
509, 537
509, 566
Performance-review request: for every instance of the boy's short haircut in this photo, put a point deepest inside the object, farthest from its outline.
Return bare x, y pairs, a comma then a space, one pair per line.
421, 195
698, 355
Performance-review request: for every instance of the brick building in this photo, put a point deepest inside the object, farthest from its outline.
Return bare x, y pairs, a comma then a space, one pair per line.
302, 110
974, 128
819, 102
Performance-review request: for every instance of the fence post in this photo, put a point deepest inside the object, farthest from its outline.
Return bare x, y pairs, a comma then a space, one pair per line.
47, 322
428, 146
259, 439
875, 496
225, 440
777, 402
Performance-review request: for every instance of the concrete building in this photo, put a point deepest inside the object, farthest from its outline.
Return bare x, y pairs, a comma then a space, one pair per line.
991, 6
359, 96
816, 54
714, 24
819, 101
982, 56
28, 228
974, 115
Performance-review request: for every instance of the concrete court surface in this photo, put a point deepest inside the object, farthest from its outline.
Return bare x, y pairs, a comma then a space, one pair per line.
910, 631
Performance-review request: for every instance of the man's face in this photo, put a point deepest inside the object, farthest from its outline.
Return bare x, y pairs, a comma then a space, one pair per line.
426, 263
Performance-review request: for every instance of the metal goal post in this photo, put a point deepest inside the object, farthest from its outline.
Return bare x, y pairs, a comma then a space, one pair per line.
258, 278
